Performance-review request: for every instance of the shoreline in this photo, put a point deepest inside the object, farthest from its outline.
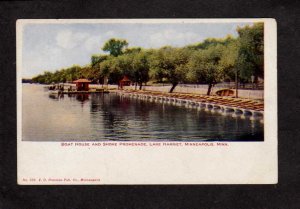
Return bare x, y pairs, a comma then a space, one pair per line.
237, 107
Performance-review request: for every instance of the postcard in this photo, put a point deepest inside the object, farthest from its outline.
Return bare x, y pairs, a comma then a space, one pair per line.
146, 101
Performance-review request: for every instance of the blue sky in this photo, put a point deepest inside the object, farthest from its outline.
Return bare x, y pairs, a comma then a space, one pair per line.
54, 46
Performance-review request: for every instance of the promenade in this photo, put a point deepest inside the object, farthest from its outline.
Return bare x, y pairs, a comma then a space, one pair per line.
192, 89
236, 107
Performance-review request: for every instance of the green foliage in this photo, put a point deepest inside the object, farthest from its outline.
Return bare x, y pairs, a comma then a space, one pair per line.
140, 68
115, 46
59, 76
210, 65
204, 65
115, 68
251, 51
169, 63
228, 60
212, 42
105, 68
91, 73
97, 58
132, 50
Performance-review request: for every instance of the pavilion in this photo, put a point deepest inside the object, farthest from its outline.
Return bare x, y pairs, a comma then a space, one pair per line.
124, 82
82, 84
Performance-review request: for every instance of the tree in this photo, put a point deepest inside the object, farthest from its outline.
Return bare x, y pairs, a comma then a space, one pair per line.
211, 42
91, 73
140, 68
73, 73
251, 51
97, 58
48, 77
104, 69
229, 59
115, 46
169, 63
132, 50
204, 66
39, 79
113, 68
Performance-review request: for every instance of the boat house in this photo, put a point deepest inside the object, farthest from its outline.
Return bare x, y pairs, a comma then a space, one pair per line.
124, 82
82, 84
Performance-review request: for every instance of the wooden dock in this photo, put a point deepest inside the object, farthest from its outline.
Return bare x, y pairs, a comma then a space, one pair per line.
100, 91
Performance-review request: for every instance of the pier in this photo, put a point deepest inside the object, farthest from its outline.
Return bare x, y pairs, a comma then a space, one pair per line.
96, 91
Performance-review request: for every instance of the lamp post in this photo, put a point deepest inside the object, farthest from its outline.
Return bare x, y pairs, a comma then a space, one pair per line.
252, 80
105, 81
236, 83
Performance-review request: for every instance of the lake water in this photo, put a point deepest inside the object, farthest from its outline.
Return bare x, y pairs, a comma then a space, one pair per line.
103, 117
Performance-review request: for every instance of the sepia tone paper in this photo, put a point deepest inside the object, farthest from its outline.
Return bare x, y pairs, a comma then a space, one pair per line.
68, 162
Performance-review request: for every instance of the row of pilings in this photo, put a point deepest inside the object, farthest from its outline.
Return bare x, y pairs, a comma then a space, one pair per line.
207, 106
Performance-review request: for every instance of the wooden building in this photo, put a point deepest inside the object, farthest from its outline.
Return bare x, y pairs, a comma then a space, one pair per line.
82, 84
124, 82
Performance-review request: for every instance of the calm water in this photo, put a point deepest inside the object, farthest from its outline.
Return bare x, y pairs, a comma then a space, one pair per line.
110, 117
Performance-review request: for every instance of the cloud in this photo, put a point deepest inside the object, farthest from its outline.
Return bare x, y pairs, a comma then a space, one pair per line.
68, 40
171, 37
93, 43
48, 58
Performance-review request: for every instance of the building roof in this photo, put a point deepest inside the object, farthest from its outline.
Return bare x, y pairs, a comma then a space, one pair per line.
125, 78
82, 80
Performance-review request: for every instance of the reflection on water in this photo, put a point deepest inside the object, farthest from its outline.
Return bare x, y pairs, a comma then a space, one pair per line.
56, 96
80, 97
111, 117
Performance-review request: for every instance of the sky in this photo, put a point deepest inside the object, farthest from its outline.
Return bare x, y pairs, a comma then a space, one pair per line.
54, 46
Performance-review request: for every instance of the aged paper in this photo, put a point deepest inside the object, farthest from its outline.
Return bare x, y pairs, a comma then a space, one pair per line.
94, 106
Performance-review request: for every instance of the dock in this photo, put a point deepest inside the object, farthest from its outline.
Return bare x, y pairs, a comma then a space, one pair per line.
97, 91
85, 92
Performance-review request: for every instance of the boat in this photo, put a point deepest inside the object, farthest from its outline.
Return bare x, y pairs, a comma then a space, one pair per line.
225, 92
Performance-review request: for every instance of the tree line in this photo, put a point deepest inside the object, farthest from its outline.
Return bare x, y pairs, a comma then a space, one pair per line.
208, 62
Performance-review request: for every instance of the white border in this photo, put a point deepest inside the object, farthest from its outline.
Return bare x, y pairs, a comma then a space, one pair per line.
240, 163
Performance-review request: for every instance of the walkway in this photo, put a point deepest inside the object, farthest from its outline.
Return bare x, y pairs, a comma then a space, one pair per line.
244, 108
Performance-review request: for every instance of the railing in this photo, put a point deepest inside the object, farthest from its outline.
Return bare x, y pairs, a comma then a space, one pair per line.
228, 85
193, 88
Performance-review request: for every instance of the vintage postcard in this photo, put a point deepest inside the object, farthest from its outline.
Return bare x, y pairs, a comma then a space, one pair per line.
147, 101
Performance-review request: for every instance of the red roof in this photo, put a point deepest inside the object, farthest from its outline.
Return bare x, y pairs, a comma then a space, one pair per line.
125, 78
82, 80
